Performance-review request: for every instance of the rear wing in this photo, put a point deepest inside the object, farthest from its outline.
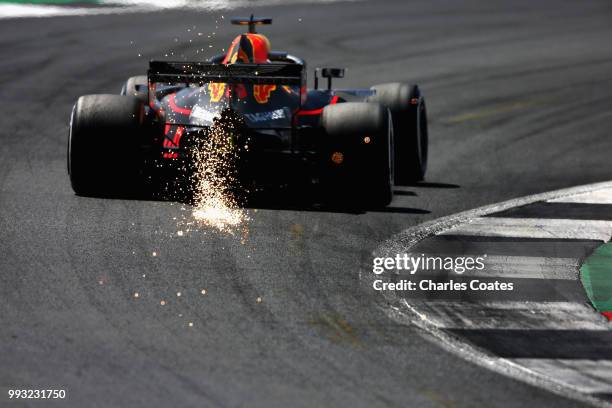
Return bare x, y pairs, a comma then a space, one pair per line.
174, 72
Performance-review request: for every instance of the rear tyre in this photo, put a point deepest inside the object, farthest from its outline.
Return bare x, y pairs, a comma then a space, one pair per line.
136, 86
103, 144
407, 106
358, 156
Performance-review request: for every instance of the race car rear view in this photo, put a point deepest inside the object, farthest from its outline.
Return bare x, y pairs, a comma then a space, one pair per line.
352, 143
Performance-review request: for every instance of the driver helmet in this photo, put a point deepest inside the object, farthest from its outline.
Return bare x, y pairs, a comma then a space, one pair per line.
248, 48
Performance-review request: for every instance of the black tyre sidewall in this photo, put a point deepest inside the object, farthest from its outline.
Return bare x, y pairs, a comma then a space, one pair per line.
365, 176
410, 129
103, 144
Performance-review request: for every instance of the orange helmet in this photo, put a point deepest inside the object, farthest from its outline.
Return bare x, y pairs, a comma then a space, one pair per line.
249, 48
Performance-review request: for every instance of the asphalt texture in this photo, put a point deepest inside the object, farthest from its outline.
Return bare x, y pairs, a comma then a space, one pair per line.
520, 101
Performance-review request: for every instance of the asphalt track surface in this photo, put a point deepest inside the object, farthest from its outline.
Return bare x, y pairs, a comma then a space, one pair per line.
520, 101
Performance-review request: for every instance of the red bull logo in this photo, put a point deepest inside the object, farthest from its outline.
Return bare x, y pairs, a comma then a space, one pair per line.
216, 90
262, 92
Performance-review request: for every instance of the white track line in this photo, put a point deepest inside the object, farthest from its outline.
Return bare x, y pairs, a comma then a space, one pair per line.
500, 266
594, 197
535, 228
589, 376
510, 315
531, 267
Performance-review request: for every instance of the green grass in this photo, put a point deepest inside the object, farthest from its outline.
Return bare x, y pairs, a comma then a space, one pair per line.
596, 276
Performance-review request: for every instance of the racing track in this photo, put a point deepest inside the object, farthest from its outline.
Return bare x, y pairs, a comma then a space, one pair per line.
520, 101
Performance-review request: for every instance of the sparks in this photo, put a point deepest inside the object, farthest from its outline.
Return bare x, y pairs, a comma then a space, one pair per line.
215, 179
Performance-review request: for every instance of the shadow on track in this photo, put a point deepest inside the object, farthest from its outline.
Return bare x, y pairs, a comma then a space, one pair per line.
281, 199
425, 184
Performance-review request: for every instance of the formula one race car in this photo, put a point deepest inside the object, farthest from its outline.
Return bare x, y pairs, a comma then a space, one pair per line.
354, 143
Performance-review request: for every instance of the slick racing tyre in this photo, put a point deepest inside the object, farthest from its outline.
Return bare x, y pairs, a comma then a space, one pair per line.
358, 153
103, 144
136, 86
407, 107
